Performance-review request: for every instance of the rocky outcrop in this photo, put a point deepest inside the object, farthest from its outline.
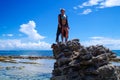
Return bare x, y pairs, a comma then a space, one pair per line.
76, 62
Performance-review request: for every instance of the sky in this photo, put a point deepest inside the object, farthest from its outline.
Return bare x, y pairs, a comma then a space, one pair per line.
32, 24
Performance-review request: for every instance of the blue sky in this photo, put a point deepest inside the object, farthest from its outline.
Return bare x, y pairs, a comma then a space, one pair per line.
32, 24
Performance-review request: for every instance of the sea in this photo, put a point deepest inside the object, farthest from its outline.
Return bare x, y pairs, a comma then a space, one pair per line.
34, 52
22, 69
26, 69
26, 53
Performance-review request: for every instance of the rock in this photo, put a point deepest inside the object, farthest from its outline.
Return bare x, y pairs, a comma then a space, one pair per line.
21, 67
8, 68
86, 57
67, 53
61, 55
75, 55
64, 77
86, 63
76, 40
11, 58
76, 62
73, 45
63, 61
115, 59
108, 72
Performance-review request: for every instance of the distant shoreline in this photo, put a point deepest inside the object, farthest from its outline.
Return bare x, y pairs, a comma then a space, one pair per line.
25, 57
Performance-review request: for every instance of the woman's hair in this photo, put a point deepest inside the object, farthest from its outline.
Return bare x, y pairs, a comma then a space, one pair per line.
62, 9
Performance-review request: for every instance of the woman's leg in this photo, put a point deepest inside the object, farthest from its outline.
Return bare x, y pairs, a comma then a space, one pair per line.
57, 34
62, 36
66, 35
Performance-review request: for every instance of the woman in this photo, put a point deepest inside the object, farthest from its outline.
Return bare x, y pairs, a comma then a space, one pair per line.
63, 24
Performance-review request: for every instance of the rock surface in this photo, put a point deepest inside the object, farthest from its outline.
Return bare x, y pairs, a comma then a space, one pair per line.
76, 62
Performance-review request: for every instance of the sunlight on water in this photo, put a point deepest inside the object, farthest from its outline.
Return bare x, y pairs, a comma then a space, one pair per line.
40, 70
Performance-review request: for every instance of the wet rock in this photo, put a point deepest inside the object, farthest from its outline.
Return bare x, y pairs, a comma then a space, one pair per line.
115, 59
11, 58
2, 59
8, 68
76, 62
22, 67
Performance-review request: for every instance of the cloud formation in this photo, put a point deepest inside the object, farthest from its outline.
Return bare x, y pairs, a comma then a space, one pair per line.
110, 3
33, 41
93, 4
30, 31
13, 44
111, 43
87, 11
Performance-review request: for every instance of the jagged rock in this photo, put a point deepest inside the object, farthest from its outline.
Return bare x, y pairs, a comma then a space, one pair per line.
108, 72
86, 57
76, 62
63, 61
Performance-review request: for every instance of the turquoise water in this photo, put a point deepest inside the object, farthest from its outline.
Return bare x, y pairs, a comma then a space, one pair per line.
25, 69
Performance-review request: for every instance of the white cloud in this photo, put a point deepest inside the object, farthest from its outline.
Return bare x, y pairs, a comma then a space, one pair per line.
87, 11
9, 35
93, 4
113, 44
33, 41
110, 3
29, 29
96, 37
105, 3
12, 44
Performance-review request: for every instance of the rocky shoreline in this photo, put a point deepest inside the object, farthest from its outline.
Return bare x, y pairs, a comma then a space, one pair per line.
12, 59
25, 68
76, 62
25, 57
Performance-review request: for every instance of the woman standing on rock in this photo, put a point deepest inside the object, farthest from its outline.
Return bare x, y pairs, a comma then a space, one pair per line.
62, 26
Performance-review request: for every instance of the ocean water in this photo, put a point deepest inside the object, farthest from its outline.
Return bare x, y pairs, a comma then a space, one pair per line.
34, 52
26, 53
25, 69
117, 52
20, 71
